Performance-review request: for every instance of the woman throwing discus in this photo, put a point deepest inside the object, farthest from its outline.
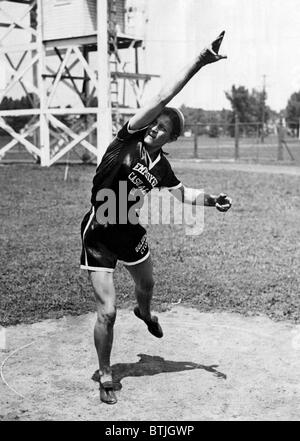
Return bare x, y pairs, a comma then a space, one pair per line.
135, 163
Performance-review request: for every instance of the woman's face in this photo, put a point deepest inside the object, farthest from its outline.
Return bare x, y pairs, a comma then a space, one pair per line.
159, 132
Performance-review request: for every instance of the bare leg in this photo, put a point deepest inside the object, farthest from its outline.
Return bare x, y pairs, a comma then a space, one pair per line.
105, 296
142, 275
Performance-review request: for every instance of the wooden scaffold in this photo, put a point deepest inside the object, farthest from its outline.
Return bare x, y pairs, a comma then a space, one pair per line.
56, 51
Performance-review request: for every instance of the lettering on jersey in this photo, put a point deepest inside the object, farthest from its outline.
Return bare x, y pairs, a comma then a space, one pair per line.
134, 179
143, 170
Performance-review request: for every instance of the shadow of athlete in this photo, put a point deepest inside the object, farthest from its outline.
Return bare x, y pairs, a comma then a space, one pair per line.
153, 365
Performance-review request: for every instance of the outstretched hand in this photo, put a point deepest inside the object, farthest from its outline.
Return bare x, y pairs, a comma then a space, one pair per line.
211, 54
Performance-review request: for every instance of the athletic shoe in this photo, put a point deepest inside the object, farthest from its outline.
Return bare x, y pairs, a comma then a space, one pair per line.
153, 326
107, 393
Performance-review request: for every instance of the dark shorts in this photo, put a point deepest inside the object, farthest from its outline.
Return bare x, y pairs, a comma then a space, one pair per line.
104, 245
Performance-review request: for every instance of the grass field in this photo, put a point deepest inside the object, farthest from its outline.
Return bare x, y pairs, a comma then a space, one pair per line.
246, 261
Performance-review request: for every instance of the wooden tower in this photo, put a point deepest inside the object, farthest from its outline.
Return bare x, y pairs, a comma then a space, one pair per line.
73, 49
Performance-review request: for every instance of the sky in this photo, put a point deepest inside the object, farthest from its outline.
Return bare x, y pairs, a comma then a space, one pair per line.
262, 38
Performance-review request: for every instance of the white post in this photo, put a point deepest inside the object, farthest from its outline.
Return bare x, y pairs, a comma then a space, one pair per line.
104, 121
44, 128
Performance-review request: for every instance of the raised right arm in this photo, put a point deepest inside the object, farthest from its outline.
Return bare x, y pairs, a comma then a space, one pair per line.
150, 111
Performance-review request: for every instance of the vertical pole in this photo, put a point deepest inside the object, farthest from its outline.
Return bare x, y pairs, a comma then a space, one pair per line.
136, 62
257, 143
195, 141
236, 137
136, 55
85, 96
263, 110
299, 129
280, 139
44, 128
218, 146
124, 92
104, 121
33, 24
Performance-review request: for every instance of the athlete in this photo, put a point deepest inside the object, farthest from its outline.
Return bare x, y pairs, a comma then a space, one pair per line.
134, 162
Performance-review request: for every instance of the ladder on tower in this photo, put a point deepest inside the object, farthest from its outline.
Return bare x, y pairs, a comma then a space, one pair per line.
114, 61
114, 85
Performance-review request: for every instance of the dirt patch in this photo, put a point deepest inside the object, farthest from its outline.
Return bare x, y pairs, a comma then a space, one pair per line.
209, 366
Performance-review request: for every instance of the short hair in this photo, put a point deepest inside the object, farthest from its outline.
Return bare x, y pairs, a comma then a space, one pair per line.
177, 119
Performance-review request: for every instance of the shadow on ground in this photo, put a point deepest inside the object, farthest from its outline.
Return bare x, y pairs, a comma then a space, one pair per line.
153, 365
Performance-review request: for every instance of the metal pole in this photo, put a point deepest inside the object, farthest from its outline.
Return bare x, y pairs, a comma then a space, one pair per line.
195, 141
257, 144
280, 139
104, 120
263, 110
236, 137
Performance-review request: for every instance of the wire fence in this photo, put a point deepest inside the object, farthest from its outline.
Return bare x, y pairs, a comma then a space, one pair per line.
221, 141
239, 141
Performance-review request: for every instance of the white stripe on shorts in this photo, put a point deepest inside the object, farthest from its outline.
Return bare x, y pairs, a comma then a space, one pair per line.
138, 261
85, 230
96, 268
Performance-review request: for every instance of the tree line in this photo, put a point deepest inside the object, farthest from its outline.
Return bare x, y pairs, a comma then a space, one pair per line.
251, 110
249, 106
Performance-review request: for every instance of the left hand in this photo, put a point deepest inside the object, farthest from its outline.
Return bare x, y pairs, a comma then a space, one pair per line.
223, 202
